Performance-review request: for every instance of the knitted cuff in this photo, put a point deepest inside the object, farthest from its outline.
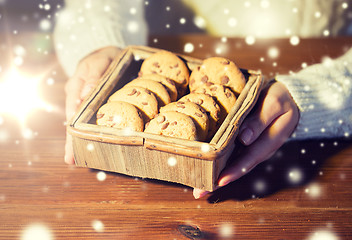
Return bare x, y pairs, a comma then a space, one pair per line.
323, 93
81, 30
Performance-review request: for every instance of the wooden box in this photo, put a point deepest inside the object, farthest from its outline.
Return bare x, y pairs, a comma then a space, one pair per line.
192, 163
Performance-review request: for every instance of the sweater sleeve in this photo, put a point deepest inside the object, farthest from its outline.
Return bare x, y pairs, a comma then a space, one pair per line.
85, 26
323, 94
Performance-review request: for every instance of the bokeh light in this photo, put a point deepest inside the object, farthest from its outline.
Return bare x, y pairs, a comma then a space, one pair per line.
323, 235
101, 176
98, 225
37, 231
172, 161
21, 95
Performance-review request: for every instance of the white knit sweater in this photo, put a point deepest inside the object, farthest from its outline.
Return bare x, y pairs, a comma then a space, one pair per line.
322, 92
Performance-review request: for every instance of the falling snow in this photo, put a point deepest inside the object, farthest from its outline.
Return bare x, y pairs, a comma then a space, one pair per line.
172, 161
188, 48
226, 230
37, 231
295, 176
101, 176
273, 52
313, 190
205, 147
98, 225
90, 147
323, 235
294, 40
250, 40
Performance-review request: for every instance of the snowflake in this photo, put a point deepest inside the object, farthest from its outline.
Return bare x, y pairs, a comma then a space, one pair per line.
132, 26
127, 131
101, 176
172, 161
133, 11
260, 186
232, 22
37, 231
250, 40
50, 81
344, 5
182, 20
273, 52
27, 133
19, 50
314, 190
294, 40
205, 147
98, 225
288, 31
199, 22
188, 48
323, 235
45, 25
90, 147
226, 230
295, 176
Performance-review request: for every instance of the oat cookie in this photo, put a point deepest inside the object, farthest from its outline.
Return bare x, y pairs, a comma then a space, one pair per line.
218, 70
223, 96
168, 83
196, 112
155, 87
140, 97
173, 124
169, 65
120, 115
209, 105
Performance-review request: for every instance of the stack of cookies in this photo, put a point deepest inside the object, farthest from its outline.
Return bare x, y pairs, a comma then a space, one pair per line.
165, 99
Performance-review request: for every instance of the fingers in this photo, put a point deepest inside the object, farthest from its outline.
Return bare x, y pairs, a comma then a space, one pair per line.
274, 102
199, 193
87, 75
69, 158
267, 143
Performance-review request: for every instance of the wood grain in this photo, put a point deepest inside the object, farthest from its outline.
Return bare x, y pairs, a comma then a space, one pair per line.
37, 187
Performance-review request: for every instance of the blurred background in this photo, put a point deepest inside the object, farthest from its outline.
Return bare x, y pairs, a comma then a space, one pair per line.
29, 69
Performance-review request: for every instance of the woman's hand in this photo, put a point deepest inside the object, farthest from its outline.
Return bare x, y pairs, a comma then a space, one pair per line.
78, 87
262, 133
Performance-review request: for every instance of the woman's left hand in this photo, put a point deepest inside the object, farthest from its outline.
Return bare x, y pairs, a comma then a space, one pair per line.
262, 133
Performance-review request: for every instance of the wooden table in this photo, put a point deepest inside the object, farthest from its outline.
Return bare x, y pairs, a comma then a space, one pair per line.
303, 192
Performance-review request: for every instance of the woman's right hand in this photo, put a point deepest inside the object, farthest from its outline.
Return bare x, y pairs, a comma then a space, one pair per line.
87, 76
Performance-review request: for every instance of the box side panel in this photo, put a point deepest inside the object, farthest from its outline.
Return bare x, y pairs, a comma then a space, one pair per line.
193, 172
141, 162
126, 159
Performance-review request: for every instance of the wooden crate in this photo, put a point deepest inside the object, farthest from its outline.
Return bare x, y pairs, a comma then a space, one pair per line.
192, 163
